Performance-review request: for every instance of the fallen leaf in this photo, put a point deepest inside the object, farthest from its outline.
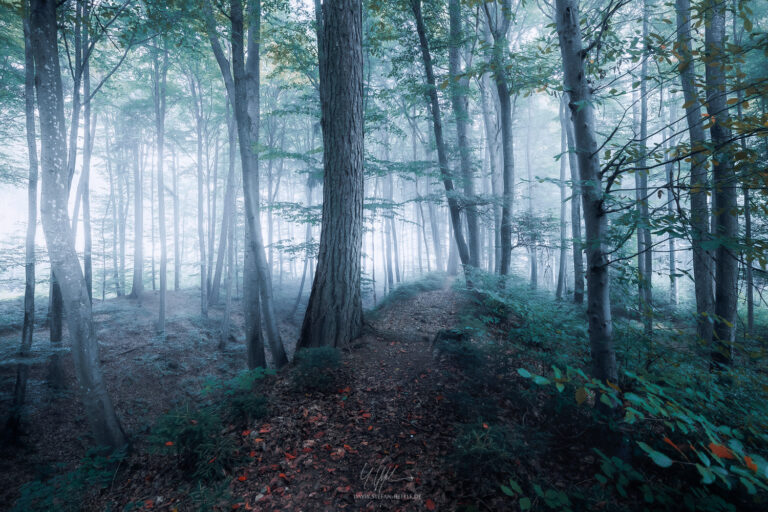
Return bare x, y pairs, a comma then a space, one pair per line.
430, 504
720, 451
750, 463
242, 478
169, 443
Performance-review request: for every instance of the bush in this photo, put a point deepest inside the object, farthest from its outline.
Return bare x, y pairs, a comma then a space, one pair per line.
65, 492
240, 403
482, 454
195, 436
316, 369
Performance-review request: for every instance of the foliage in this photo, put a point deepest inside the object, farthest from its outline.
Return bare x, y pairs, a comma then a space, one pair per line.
194, 433
482, 453
316, 369
65, 492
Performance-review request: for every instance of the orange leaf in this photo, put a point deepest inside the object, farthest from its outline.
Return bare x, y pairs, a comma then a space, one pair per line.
242, 478
720, 451
750, 464
485, 425
289, 456
149, 504
282, 475
370, 427
169, 443
246, 432
258, 440
430, 504
673, 445
366, 415
252, 454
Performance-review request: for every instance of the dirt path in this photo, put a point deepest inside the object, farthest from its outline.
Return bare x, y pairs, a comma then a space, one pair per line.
377, 443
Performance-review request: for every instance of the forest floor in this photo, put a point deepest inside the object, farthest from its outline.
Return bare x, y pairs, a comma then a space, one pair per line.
407, 424
378, 441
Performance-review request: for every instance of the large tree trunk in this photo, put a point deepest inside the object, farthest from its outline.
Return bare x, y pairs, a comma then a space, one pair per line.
702, 267
437, 122
22, 372
725, 186
334, 313
459, 84
137, 288
159, 76
582, 112
58, 233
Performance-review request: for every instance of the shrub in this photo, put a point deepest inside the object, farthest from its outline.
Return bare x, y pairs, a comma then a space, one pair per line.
482, 453
316, 369
238, 398
65, 492
194, 435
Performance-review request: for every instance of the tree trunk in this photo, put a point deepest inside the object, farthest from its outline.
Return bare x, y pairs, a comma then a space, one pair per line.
176, 220
334, 314
13, 424
197, 92
137, 288
499, 32
560, 289
576, 200
459, 84
702, 268
229, 204
58, 233
581, 107
534, 235
159, 76
437, 123
725, 186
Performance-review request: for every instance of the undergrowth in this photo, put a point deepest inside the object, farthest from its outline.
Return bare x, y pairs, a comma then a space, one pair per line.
680, 439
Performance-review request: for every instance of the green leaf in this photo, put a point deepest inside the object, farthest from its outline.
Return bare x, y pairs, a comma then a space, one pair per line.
525, 504
506, 490
524, 373
707, 476
658, 458
541, 381
749, 485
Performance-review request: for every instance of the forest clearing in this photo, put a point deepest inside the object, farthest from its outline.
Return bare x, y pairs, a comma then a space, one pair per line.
468, 255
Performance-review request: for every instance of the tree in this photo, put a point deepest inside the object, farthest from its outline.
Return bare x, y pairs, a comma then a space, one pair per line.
699, 221
58, 232
585, 143
724, 183
159, 81
334, 313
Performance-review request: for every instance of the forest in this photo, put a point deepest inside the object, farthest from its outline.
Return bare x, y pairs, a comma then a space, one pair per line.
471, 255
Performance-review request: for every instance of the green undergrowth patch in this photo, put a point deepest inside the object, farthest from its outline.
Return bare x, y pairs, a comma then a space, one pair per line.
667, 436
65, 491
192, 431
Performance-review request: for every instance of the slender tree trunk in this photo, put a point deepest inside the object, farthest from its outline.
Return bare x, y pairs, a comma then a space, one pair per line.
437, 123
229, 204
702, 269
197, 92
176, 220
725, 186
58, 233
535, 236
459, 84
13, 424
334, 313
137, 288
669, 170
560, 288
575, 81
159, 77
576, 200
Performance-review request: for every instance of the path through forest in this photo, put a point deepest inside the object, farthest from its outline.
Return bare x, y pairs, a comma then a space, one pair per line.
378, 442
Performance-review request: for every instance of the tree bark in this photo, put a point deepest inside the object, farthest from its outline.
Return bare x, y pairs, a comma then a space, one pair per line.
459, 84
725, 186
598, 287
335, 313
58, 233
159, 79
13, 424
137, 288
442, 156
560, 289
702, 267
